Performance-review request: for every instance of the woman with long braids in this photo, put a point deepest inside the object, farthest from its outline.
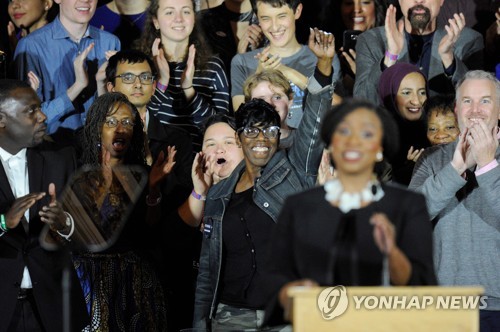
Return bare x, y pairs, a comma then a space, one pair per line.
122, 290
193, 84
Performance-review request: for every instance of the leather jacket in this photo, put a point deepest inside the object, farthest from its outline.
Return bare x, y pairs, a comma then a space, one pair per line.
289, 171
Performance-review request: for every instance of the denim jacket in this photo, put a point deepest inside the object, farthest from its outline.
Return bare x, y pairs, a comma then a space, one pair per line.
288, 172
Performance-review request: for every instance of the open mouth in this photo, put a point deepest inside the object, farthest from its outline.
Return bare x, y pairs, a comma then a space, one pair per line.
358, 19
221, 161
119, 143
414, 109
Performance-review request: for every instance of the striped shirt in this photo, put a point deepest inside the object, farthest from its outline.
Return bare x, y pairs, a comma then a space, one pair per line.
212, 96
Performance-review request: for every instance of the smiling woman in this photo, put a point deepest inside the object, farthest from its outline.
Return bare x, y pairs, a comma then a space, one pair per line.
403, 90
344, 232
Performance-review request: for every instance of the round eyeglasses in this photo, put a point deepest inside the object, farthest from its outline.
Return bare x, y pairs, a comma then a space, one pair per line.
144, 78
113, 123
268, 132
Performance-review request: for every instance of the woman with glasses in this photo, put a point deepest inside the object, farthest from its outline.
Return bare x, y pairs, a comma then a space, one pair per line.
241, 210
192, 84
121, 287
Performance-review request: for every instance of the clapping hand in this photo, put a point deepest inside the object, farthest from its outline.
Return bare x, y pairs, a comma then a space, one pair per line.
163, 166
483, 143
394, 33
19, 208
267, 61
462, 158
53, 214
252, 37
446, 46
384, 233
161, 62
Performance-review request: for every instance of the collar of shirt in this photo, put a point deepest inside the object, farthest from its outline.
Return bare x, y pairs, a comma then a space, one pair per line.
5, 156
60, 32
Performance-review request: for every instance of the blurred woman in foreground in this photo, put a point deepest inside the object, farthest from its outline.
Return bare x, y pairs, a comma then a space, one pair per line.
339, 234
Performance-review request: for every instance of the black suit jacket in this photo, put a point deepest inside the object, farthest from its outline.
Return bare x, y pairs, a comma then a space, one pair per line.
20, 246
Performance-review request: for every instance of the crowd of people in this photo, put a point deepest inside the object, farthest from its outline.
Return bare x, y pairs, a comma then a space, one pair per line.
176, 164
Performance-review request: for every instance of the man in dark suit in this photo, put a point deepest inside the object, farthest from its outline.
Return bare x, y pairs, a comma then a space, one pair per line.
31, 276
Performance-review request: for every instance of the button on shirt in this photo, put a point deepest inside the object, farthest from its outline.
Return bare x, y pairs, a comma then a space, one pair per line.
16, 169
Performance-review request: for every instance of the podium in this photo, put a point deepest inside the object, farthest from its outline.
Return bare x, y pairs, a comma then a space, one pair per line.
387, 309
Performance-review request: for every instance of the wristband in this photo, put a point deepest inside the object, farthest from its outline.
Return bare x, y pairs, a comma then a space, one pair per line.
160, 86
392, 57
198, 196
3, 223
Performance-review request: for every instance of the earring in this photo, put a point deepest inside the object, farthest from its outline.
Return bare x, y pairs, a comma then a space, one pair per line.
379, 156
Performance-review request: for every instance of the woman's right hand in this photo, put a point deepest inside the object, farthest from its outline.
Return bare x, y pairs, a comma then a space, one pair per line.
161, 62
201, 173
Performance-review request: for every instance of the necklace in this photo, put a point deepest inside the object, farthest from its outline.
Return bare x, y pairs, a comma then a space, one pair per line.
372, 192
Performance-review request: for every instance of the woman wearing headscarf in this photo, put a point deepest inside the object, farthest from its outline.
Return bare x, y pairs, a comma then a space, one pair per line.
403, 91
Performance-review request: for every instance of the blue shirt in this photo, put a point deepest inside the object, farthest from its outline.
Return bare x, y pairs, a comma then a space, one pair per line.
50, 52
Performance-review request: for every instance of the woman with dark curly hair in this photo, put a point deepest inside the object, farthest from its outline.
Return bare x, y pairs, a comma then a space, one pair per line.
193, 84
122, 290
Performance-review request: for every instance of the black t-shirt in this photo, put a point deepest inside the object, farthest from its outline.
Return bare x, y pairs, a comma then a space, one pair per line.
246, 231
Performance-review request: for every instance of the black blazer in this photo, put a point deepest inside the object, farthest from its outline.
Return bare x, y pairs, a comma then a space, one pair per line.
21, 246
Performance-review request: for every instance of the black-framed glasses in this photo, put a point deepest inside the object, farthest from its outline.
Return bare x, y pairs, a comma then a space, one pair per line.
112, 122
144, 78
268, 132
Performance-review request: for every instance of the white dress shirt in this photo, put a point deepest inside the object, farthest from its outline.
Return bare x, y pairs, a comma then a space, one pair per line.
16, 169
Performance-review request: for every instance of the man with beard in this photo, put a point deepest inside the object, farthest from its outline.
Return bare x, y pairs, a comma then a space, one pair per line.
444, 54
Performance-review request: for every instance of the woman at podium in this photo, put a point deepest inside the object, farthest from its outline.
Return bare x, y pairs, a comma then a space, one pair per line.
354, 230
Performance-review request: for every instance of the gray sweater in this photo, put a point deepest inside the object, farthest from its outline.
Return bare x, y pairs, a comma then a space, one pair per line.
467, 233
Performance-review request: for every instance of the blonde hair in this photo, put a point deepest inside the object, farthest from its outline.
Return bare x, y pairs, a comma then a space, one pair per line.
274, 77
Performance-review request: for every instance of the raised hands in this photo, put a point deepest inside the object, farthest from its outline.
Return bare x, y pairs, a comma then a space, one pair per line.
322, 44
202, 173
100, 76
161, 62
384, 233
34, 80
162, 167
19, 207
482, 142
414, 154
188, 74
462, 158
447, 44
81, 76
53, 214
394, 33
267, 61
251, 38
